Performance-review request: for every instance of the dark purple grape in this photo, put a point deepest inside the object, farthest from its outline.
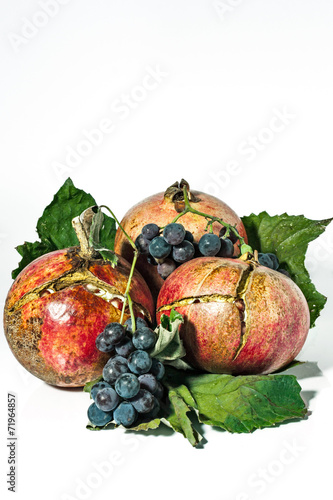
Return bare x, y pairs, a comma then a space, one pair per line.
165, 268
102, 344
125, 347
159, 248
174, 233
209, 244
138, 323
143, 402
157, 369
148, 381
99, 417
159, 391
97, 387
227, 248
125, 414
139, 362
144, 338
150, 231
189, 236
183, 252
107, 399
127, 385
231, 236
114, 368
150, 415
142, 244
265, 260
114, 333
274, 259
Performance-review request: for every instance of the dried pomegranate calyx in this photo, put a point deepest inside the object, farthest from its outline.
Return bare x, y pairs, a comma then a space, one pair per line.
175, 193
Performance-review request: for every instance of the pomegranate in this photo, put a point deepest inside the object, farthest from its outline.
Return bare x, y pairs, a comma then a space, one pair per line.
239, 317
58, 305
162, 208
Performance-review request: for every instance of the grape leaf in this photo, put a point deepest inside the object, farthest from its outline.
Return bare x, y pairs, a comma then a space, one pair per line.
169, 347
288, 237
235, 403
55, 229
178, 414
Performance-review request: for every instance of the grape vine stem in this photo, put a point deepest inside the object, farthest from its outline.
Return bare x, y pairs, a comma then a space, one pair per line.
210, 221
127, 297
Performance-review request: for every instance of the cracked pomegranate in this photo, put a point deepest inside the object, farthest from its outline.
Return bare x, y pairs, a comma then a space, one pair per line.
239, 317
161, 209
58, 305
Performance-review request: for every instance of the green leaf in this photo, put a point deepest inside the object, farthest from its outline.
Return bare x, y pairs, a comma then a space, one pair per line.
55, 224
146, 426
100, 222
236, 404
169, 345
30, 252
55, 229
288, 236
178, 417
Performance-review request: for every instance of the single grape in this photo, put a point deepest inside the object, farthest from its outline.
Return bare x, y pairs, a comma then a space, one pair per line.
139, 362
274, 259
209, 244
265, 260
125, 414
114, 368
97, 387
159, 248
107, 399
97, 416
144, 338
150, 415
150, 231
125, 347
138, 323
142, 244
227, 248
114, 333
165, 268
174, 233
157, 369
189, 236
143, 402
183, 252
159, 391
148, 381
231, 236
127, 385
102, 344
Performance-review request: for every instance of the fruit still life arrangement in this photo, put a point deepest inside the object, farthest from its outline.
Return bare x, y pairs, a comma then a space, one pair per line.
180, 314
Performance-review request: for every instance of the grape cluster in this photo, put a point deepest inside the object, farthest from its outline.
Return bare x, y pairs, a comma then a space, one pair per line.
131, 387
270, 260
175, 245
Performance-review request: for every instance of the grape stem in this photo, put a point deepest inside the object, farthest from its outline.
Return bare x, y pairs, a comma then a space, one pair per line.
210, 219
127, 297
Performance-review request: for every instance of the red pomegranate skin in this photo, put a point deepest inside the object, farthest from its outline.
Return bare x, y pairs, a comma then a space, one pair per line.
53, 314
161, 210
219, 337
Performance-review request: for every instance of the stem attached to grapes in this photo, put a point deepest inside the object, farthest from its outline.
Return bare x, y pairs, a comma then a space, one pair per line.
127, 297
210, 220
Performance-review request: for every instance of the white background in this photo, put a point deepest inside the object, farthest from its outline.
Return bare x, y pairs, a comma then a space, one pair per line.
226, 70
